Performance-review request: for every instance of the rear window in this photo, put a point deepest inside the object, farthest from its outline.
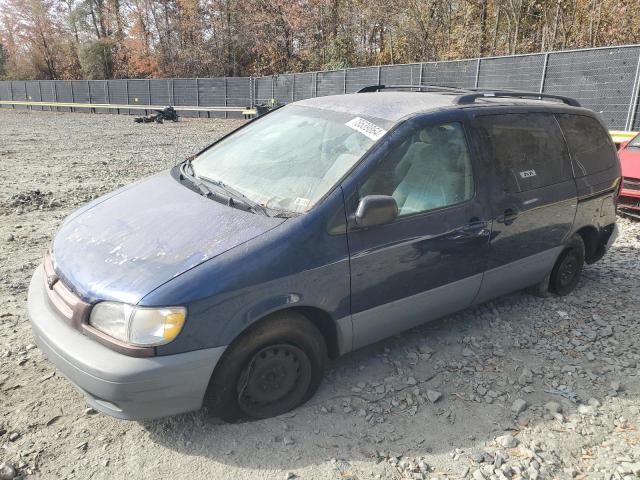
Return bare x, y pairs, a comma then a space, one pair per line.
528, 150
591, 147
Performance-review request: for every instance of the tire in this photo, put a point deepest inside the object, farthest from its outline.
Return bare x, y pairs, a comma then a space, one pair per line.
567, 269
274, 367
541, 289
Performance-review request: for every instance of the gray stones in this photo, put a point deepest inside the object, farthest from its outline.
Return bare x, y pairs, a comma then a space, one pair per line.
605, 332
7, 471
507, 441
525, 377
519, 405
553, 407
434, 395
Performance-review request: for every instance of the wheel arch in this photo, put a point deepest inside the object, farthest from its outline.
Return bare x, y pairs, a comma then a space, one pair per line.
591, 238
336, 333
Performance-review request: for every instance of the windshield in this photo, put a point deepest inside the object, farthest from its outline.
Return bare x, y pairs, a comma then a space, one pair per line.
289, 159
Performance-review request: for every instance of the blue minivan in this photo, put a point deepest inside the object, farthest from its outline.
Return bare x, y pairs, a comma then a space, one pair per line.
323, 226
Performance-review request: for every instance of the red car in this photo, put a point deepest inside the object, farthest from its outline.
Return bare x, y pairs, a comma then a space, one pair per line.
629, 199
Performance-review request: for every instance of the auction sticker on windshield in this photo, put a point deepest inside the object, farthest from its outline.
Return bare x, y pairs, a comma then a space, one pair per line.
366, 128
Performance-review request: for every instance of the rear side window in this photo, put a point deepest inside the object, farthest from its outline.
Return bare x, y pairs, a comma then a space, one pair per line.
589, 143
528, 150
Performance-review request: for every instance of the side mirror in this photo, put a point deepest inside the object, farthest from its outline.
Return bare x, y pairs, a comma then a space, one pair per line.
376, 210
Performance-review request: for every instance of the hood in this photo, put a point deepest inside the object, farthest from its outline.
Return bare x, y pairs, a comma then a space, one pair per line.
124, 245
630, 162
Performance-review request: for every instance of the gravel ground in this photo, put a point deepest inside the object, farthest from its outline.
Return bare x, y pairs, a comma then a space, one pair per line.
521, 387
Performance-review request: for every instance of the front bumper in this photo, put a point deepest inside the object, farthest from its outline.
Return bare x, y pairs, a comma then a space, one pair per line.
119, 385
629, 198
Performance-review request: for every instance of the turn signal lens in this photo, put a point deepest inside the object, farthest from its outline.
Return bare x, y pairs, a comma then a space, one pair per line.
173, 325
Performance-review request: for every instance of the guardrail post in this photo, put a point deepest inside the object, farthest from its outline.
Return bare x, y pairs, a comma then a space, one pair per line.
92, 110
315, 84
126, 89
54, 88
149, 91
26, 96
477, 81
379, 74
172, 93
198, 95
73, 97
40, 93
273, 87
226, 101
544, 72
633, 102
13, 107
421, 68
344, 82
251, 95
293, 87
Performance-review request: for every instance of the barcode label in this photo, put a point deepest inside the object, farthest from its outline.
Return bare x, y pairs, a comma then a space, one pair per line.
366, 128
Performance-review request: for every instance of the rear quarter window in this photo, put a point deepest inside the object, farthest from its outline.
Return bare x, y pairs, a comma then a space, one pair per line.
590, 145
527, 150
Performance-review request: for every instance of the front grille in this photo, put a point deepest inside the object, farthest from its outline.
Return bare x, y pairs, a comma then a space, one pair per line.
76, 313
67, 303
629, 202
631, 183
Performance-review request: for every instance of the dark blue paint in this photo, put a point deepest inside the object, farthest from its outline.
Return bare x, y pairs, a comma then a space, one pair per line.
124, 247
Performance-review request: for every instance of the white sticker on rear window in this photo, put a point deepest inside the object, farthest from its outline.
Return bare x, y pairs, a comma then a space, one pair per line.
366, 128
528, 173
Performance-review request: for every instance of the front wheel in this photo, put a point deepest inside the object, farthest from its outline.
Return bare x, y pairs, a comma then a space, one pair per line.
567, 269
269, 370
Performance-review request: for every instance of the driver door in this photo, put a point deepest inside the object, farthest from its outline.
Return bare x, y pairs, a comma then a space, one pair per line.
429, 261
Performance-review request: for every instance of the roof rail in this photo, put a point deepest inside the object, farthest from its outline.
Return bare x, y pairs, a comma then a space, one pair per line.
430, 88
469, 98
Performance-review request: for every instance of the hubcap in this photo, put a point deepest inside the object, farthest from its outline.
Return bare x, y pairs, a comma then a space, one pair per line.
273, 381
568, 269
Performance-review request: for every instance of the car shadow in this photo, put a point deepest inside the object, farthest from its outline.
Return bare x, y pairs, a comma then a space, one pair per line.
376, 402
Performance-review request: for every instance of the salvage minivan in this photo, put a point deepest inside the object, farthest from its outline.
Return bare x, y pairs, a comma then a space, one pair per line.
323, 226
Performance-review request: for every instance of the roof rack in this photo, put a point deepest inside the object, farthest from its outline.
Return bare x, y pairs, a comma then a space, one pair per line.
474, 94
430, 88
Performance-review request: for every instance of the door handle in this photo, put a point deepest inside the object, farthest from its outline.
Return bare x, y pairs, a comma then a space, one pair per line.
508, 216
475, 228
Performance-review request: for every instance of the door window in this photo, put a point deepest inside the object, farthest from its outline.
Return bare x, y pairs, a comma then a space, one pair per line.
528, 150
430, 169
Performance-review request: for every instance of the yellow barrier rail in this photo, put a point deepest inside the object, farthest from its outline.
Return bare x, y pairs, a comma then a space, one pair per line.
114, 106
620, 136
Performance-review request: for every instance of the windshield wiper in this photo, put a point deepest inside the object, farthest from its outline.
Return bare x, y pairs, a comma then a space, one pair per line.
255, 206
204, 189
186, 171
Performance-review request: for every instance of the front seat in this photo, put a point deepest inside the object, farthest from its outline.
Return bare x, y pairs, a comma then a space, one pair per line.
426, 181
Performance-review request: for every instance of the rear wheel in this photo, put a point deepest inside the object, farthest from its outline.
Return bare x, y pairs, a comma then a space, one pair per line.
567, 269
269, 370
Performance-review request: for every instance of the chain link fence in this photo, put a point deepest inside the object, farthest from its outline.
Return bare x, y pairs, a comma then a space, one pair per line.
603, 79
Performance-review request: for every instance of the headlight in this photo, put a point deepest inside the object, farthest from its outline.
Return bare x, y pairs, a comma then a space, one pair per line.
138, 325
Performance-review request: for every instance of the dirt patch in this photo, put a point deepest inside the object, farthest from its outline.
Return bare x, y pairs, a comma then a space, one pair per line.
521, 387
